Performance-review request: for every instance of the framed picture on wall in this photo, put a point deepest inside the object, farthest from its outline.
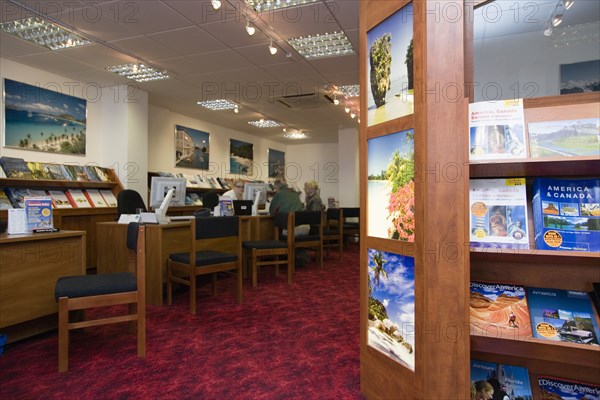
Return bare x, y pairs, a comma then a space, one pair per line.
390, 93
276, 163
580, 77
391, 186
241, 157
391, 307
39, 119
191, 148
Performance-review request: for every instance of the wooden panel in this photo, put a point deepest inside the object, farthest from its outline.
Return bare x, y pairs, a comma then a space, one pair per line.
30, 265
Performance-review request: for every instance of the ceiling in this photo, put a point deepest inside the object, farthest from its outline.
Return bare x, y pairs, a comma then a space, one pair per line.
208, 55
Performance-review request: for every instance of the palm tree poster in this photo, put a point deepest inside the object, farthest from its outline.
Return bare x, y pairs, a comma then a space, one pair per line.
191, 148
43, 120
241, 156
391, 186
391, 317
390, 68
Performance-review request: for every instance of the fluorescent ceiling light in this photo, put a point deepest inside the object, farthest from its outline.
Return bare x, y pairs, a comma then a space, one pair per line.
138, 72
265, 123
218, 105
43, 33
265, 5
297, 135
350, 90
321, 46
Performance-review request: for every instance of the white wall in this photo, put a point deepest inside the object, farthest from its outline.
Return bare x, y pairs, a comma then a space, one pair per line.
525, 65
348, 150
319, 162
161, 146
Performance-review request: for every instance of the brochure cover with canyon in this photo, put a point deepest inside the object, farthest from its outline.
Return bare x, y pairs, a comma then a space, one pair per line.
499, 310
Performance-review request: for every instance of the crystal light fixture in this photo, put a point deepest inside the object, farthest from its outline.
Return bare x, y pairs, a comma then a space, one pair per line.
297, 135
44, 33
265, 123
350, 90
138, 72
266, 5
218, 105
321, 46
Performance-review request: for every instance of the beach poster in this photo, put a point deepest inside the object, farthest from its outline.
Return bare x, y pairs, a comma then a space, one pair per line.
39, 119
391, 317
391, 186
241, 156
191, 148
390, 68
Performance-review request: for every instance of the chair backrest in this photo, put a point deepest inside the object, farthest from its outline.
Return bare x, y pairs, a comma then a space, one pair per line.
351, 212
217, 227
202, 213
312, 218
128, 201
333, 214
210, 200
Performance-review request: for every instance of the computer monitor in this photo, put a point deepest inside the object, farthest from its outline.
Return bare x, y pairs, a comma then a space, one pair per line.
250, 190
159, 187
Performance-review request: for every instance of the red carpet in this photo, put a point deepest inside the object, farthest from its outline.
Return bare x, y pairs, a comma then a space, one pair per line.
283, 342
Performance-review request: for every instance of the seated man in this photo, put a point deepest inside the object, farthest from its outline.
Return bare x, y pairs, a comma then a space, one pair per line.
285, 199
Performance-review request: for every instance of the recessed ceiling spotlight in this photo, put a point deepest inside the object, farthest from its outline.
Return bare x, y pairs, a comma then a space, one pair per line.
272, 48
557, 20
335, 100
250, 28
568, 4
347, 109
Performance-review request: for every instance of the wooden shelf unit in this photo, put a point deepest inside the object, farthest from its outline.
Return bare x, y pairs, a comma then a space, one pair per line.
78, 219
541, 268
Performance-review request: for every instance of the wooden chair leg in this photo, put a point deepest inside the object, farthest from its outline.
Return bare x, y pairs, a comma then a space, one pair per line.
253, 266
169, 286
289, 271
63, 335
239, 284
192, 292
141, 331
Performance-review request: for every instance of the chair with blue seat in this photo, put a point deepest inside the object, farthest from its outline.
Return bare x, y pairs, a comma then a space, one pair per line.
271, 252
313, 240
215, 246
332, 232
350, 222
83, 292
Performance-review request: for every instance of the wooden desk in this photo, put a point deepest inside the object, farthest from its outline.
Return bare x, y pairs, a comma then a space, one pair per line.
161, 241
30, 264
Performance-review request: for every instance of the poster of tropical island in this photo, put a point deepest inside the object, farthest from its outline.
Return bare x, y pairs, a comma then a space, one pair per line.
391, 317
40, 119
390, 68
241, 155
191, 148
391, 186
276, 163
566, 138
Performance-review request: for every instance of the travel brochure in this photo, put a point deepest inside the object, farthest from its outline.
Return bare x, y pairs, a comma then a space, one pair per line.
496, 130
503, 381
17, 168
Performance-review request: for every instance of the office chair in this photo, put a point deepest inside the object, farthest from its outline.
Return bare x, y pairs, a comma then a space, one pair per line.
210, 200
83, 292
314, 240
128, 202
215, 246
350, 228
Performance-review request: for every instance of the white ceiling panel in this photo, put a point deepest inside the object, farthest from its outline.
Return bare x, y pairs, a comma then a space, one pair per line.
224, 60
187, 41
145, 48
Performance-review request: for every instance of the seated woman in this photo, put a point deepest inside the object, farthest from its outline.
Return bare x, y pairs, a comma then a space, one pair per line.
312, 199
237, 192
